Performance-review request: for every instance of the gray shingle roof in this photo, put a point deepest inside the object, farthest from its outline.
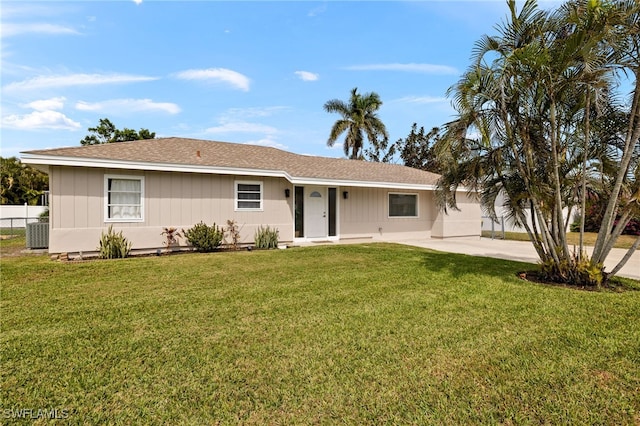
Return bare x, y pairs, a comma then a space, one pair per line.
184, 152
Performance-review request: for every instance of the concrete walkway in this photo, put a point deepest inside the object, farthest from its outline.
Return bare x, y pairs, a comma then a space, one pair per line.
517, 250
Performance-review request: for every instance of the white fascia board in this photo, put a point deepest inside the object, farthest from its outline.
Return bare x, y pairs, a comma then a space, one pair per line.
139, 165
48, 160
362, 184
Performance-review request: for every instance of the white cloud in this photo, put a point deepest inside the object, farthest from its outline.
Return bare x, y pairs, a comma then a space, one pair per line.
242, 127
9, 30
40, 120
44, 82
128, 105
234, 78
318, 10
411, 67
137, 1
233, 114
19, 9
14, 69
421, 100
336, 146
267, 142
237, 120
307, 76
46, 104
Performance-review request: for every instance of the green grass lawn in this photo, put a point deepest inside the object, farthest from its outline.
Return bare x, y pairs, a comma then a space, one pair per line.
350, 334
573, 238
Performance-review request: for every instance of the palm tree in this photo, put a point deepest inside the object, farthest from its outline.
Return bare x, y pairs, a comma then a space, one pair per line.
625, 189
526, 98
359, 118
589, 42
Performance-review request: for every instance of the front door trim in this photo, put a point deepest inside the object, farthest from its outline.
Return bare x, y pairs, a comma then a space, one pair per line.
318, 211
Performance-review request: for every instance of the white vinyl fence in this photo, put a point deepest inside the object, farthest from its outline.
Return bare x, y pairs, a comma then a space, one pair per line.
14, 219
497, 229
19, 215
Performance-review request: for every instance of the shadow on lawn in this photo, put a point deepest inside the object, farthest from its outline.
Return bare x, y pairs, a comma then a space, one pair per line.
437, 262
459, 265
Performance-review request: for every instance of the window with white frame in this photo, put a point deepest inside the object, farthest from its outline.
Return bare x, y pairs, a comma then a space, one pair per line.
248, 195
124, 198
403, 205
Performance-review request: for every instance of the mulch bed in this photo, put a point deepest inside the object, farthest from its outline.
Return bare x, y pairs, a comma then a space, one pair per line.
613, 284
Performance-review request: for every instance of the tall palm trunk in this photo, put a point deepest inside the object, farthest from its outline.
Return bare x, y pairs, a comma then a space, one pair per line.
583, 189
605, 238
560, 237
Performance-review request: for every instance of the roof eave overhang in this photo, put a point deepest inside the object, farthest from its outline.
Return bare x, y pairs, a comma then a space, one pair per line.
37, 159
45, 161
362, 184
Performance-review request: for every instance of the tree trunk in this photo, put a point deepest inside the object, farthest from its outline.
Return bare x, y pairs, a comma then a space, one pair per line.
560, 237
625, 259
583, 191
633, 133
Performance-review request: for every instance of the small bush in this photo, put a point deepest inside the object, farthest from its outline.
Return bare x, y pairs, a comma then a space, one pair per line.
233, 233
203, 237
266, 238
582, 272
594, 217
113, 245
44, 216
172, 235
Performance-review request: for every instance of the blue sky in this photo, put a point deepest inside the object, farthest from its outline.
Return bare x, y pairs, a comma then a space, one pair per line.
245, 72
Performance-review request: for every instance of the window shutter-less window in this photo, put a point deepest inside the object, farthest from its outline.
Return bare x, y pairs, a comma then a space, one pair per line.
249, 196
124, 198
403, 205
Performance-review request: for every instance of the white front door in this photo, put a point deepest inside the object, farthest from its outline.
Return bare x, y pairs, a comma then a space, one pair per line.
315, 212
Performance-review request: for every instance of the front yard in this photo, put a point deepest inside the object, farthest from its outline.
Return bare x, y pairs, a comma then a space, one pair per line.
573, 238
354, 334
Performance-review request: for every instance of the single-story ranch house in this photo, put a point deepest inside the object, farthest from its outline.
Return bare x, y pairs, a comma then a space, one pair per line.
140, 187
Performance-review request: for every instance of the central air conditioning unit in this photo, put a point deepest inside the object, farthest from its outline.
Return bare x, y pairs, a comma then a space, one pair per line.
37, 235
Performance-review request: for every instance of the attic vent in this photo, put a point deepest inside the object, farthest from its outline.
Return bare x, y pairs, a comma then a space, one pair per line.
315, 194
198, 154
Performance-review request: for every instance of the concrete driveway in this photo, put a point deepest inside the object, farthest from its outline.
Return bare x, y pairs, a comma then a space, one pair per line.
517, 250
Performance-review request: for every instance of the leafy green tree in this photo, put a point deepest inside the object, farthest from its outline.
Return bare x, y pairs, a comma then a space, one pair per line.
416, 150
380, 151
146, 134
532, 125
20, 183
359, 118
106, 132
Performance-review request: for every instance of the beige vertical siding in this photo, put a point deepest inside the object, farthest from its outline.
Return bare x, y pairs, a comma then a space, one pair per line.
76, 198
365, 214
183, 199
464, 223
171, 199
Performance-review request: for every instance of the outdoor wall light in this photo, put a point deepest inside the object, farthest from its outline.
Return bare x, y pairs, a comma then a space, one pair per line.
287, 192
345, 194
